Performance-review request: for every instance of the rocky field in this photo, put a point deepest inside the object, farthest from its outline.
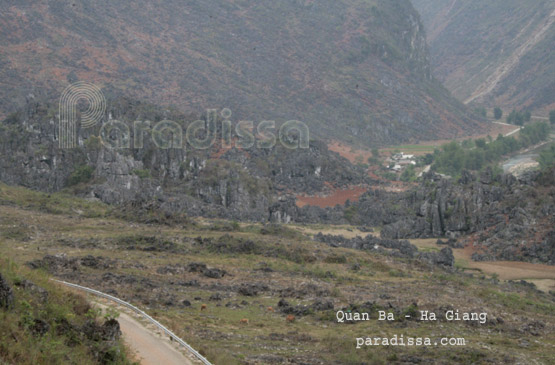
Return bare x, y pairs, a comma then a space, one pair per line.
270, 293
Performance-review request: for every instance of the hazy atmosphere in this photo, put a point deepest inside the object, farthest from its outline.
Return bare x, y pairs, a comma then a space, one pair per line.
277, 182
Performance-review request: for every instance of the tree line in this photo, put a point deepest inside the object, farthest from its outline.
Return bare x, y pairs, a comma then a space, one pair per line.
454, 157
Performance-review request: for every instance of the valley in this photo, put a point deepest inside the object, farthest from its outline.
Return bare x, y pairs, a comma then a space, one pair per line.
493, 53
277, 182
264, 274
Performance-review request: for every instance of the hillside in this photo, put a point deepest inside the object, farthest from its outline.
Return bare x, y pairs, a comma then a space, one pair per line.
354, 70
236, 183
271, 293
42, 323
495, 52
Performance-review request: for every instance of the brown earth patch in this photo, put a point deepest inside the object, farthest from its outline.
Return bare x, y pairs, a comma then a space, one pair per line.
337, 196
541, 275
349, 152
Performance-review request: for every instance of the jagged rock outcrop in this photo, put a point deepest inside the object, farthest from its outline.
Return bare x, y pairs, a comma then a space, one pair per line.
509, 218
235, 183
39, 293
503, 217
400, 248
6, 294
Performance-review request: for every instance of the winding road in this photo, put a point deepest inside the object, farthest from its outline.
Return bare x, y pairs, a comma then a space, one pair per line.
148, 346
148, 343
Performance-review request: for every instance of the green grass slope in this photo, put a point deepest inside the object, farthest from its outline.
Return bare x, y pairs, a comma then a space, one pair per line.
46, 324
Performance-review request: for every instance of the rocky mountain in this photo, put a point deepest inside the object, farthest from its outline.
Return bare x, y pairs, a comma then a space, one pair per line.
354, 70
236, 183
501, 216
498, 216
495, 52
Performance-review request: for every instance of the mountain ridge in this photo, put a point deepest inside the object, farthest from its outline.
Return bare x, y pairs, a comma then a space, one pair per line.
354, 70
493, 53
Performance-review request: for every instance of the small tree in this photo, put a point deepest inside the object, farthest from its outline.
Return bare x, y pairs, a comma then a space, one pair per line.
527, 116
497, 113
428, 159
408, 174
82, 174
480, 143
552, 117
516, 118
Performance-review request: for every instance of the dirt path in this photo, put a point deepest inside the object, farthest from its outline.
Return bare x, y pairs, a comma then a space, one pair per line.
149, 347
516, 128
543, 276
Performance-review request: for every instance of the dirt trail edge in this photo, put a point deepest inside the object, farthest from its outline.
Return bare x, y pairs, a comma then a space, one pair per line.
149, 347
148, 342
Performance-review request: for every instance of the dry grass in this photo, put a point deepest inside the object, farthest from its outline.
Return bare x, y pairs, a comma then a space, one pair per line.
291, 261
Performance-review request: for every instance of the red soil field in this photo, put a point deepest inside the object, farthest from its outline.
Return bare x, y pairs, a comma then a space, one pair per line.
338, 196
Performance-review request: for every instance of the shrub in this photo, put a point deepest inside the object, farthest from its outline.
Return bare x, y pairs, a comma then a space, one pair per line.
82, 174
408, 174
497, 113
519, 118
351, 213
335, 259
547, 157
142, 173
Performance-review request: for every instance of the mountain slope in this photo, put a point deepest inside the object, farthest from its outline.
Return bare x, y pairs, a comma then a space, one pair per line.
495, 52
352, 69
43, 323
238, 182
263, 274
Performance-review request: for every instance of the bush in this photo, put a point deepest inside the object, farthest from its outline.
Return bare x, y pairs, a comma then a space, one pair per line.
143, 174
82, 174
335, 259
519, 118
351, 213
497, 113
527, 116
552, 117
408, 174
49, 325
428, 159
388, 175
547, 157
